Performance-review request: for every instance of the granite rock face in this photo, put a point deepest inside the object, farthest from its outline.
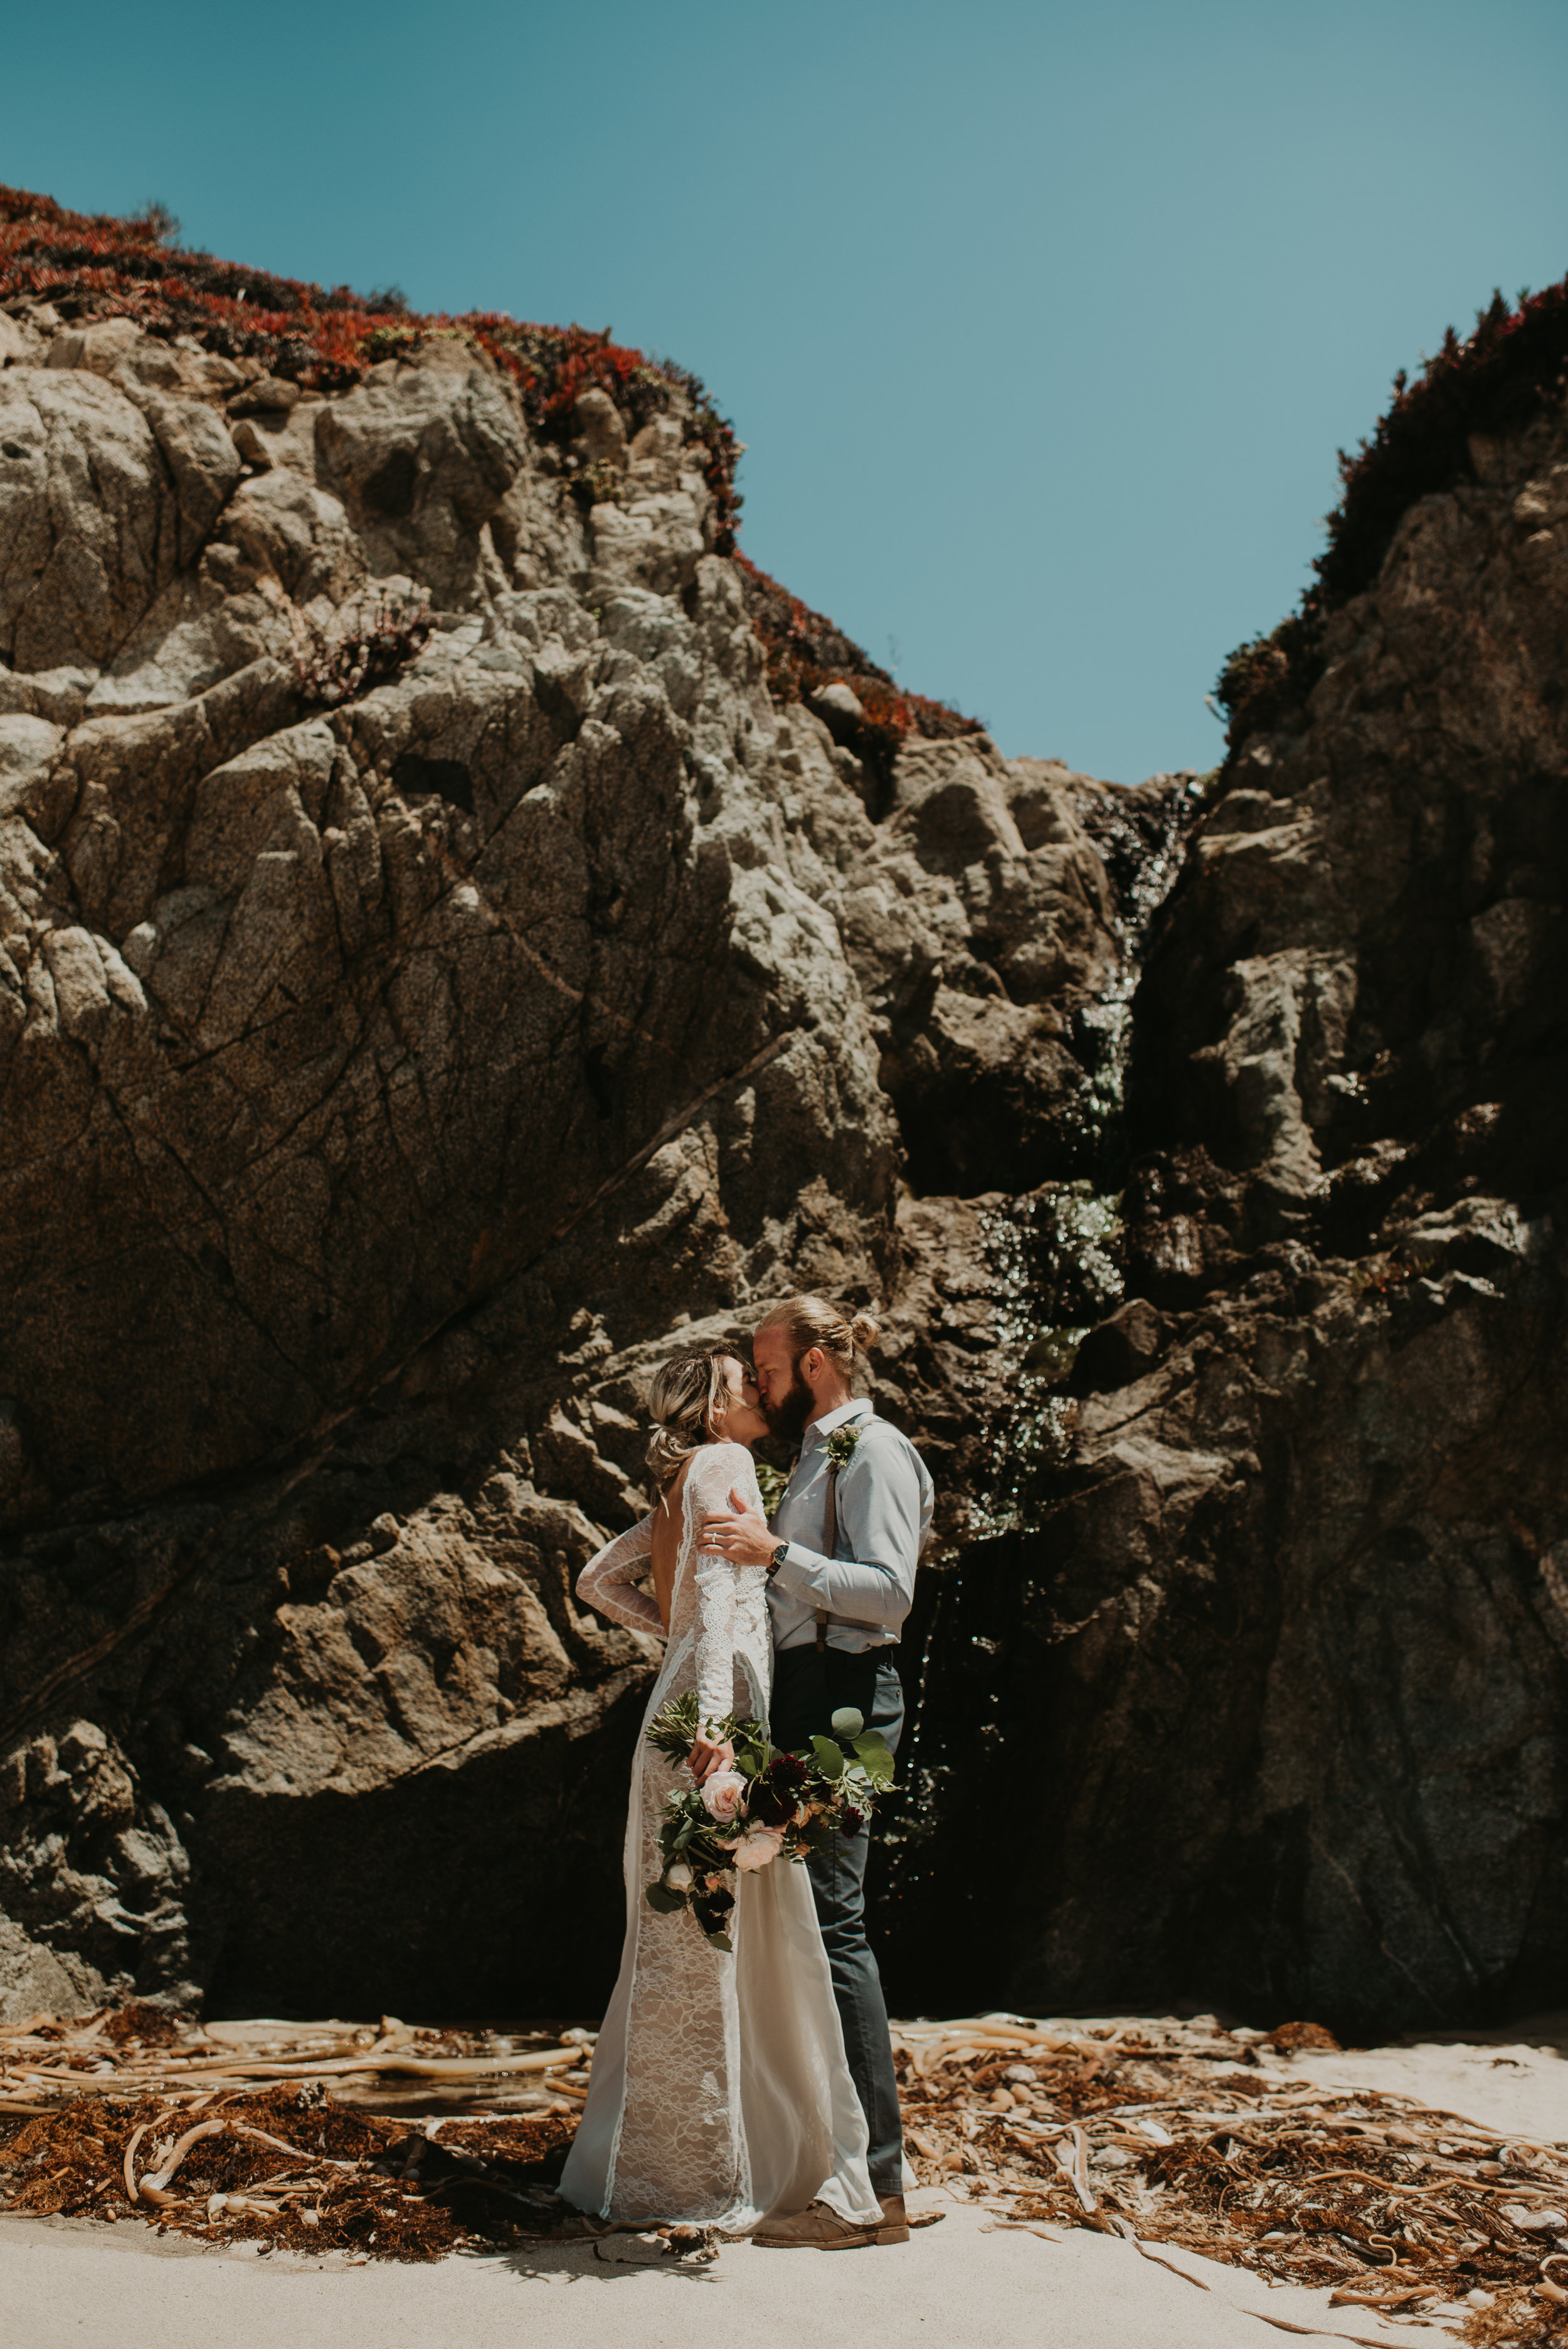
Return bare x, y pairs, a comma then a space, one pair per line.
436, 978
390, 1067
1273, 1624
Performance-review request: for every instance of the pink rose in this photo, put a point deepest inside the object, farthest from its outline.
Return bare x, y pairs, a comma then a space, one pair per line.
756, 1850
723, 1795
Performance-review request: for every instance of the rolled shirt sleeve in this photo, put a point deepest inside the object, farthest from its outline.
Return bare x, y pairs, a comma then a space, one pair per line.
879, 1510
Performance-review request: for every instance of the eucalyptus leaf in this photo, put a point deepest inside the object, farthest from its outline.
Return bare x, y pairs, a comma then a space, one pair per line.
719, 1940
660, 1896
874, 1759
830, 1758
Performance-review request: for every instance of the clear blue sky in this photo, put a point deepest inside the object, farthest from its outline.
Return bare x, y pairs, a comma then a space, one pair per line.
1043, 323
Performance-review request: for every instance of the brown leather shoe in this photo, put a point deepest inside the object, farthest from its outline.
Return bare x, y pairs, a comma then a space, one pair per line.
894, 2228
815, 2228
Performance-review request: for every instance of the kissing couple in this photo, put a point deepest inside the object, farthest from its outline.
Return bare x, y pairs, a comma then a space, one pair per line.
755, 2091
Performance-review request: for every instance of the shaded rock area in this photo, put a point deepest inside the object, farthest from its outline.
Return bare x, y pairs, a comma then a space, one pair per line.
1258, 1688
439, 975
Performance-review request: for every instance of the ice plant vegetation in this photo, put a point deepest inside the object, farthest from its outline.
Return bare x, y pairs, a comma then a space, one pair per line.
807, 653
771, 1806
1489, 384
367, 642
60, 268
79, 267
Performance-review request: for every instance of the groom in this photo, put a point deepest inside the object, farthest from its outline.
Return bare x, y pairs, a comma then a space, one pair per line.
841, 1553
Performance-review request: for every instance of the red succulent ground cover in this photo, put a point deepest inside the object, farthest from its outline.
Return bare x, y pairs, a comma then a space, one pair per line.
1489, 383
97, 266
806, 651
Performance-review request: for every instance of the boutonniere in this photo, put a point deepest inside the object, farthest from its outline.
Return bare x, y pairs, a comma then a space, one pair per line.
842, 1441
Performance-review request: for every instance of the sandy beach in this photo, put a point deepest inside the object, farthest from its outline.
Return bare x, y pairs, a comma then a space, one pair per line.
964, 2280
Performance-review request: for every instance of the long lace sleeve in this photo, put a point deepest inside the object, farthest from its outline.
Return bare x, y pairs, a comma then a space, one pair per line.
717, 1470
608, 1582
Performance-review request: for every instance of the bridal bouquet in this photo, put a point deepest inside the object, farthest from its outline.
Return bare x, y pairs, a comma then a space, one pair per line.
771, 1806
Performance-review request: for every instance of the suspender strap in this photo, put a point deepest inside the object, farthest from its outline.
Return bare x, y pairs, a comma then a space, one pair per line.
829, 1543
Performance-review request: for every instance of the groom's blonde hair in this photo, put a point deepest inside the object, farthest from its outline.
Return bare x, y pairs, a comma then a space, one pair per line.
681, 1401
809, 1321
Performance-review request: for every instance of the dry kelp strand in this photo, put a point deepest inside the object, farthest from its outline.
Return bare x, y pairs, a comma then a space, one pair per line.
390, 2141
1188, 2135
232, 2132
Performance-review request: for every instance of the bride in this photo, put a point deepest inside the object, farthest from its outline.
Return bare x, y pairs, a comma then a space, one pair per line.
719, 2091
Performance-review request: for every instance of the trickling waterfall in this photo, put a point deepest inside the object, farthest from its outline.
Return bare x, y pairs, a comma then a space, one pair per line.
1052, 1253
1052, 1272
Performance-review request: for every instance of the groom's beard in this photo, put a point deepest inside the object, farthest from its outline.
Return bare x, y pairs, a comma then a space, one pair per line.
786, 1414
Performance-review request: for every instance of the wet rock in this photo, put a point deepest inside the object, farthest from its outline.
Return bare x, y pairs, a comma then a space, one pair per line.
1126, 1344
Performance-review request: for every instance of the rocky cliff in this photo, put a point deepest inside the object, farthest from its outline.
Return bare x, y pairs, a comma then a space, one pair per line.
1260, 1685
464, 931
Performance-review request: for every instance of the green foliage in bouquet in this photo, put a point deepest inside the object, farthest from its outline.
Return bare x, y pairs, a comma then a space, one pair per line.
771, 1806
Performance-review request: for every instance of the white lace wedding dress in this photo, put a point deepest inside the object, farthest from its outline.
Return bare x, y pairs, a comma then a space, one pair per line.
719, 2091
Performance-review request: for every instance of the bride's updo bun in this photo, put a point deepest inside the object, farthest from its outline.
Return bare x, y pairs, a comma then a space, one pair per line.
681, 1401
809, 1321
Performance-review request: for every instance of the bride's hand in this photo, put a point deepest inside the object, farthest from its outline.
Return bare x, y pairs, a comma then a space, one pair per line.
704, 1758
745, 1538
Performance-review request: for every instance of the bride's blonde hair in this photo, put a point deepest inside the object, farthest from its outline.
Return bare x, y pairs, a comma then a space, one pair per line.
681, 1399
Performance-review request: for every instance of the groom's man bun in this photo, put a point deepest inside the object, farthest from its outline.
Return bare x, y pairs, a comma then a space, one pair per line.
809, 1321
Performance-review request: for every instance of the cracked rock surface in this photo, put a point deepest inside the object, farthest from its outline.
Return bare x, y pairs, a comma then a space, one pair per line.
436, 978
390, 1059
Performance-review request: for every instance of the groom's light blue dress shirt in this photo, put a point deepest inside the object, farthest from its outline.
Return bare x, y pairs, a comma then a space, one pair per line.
882, 1503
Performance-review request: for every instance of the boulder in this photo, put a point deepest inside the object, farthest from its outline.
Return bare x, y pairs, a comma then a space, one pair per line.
90, 520
421, 455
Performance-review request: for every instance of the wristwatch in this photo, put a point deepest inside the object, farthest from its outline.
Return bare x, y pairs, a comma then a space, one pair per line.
778, 1559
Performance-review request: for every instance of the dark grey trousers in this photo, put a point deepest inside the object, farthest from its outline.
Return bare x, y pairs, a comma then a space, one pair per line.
808, 1689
